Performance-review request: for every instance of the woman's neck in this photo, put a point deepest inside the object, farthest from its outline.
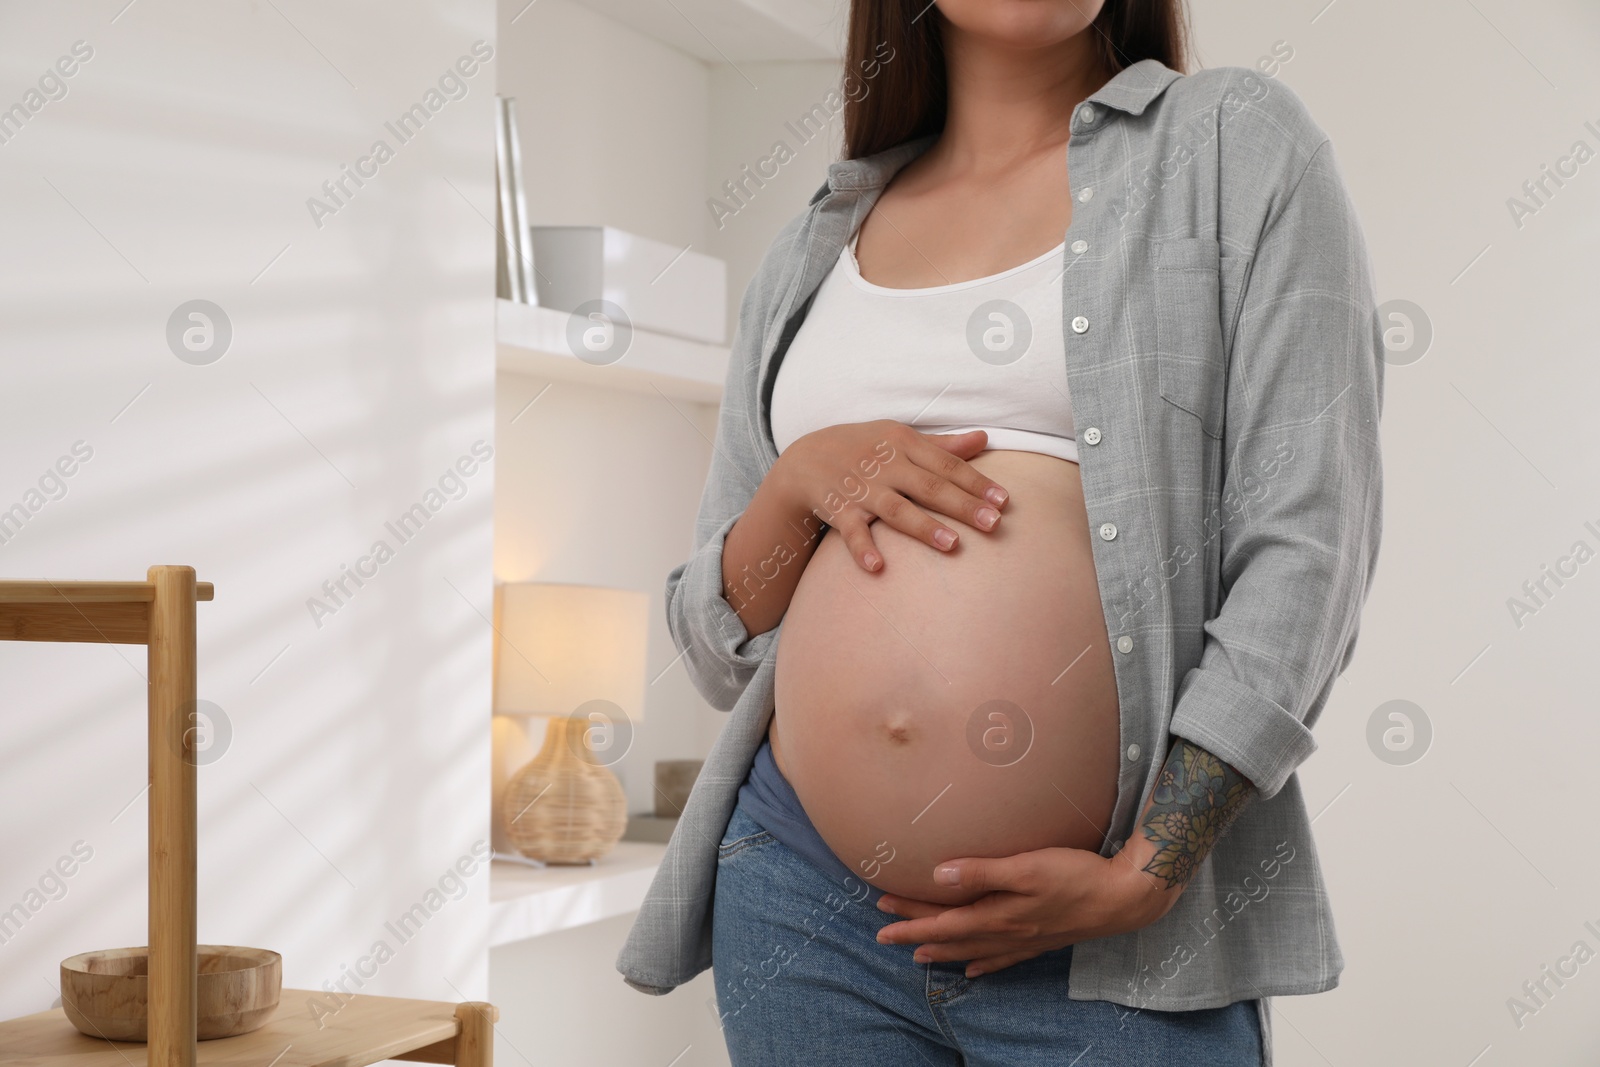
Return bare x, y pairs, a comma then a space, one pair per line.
1006, 104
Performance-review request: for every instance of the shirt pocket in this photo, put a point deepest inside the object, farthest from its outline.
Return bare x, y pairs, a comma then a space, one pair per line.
1189, 359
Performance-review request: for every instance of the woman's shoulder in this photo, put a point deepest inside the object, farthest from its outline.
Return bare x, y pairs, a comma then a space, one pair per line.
1263, 136
1250, 106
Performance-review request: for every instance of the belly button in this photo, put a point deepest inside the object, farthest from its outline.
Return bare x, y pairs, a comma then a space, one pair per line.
898, 727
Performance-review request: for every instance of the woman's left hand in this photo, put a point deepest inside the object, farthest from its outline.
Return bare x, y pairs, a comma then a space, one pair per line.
1032, 903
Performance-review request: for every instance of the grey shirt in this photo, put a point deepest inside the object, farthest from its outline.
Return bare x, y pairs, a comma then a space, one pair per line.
1224, 362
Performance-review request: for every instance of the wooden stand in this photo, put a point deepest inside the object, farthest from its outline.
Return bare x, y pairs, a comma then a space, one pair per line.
160, 613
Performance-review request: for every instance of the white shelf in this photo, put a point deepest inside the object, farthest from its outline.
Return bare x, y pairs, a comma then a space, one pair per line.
529, 902
533, 340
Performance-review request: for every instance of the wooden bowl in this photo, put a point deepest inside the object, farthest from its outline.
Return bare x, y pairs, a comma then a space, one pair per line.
104, 993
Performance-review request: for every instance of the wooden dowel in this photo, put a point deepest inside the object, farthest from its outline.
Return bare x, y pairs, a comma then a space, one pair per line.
475, 1043
173, 820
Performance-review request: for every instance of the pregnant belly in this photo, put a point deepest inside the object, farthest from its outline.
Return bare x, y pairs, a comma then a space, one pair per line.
953, 704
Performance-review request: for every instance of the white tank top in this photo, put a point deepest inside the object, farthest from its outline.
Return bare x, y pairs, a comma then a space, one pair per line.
983, 354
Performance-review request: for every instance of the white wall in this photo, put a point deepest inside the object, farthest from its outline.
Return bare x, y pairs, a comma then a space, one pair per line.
755, 107
1455, 878
178, 166
613, 123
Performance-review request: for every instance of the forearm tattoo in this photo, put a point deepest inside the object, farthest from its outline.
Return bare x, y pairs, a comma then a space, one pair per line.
1196, 799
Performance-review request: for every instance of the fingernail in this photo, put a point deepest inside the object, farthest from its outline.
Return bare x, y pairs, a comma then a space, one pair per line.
920, 956
872, 561
987, 517
947, 874
995, 495
973, 972
944, 538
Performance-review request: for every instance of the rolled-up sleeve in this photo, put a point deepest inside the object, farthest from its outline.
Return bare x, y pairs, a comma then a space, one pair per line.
1303, 469
718, 651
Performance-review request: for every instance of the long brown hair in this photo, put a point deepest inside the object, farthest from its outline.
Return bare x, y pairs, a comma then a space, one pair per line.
905, 92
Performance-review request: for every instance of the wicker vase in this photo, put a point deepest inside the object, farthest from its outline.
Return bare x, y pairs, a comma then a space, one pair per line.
563, 807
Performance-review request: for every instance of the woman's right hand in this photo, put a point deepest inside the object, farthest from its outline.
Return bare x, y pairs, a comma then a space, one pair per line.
852, 475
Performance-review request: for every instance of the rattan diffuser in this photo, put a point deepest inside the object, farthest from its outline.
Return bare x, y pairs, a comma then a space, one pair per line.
563, 807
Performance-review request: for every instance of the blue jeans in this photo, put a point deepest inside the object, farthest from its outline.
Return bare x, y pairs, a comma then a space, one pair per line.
801, 979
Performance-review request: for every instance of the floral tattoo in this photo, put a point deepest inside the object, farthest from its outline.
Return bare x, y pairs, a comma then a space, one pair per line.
1196, 799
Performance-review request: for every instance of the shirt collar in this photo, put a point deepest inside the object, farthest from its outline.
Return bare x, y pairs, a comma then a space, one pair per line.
1131, 89
1134, 88
874, 171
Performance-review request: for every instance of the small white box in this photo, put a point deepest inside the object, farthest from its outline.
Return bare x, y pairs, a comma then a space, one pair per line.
658, 286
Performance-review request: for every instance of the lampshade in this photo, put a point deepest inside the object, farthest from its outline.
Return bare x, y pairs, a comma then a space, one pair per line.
559, 646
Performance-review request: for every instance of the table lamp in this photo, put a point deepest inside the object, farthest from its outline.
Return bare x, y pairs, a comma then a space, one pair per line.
574, 653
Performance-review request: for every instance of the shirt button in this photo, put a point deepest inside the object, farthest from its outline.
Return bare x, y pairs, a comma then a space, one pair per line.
1108, 531
1133, 752
1086, 114
1080, 325
1085, 193
1080, 247
1124, 644
1091, 436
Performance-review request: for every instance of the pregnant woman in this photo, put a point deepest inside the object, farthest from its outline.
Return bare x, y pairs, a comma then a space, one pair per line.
1044, 499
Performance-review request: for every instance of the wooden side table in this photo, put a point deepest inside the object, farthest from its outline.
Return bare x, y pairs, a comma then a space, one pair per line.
160, 613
